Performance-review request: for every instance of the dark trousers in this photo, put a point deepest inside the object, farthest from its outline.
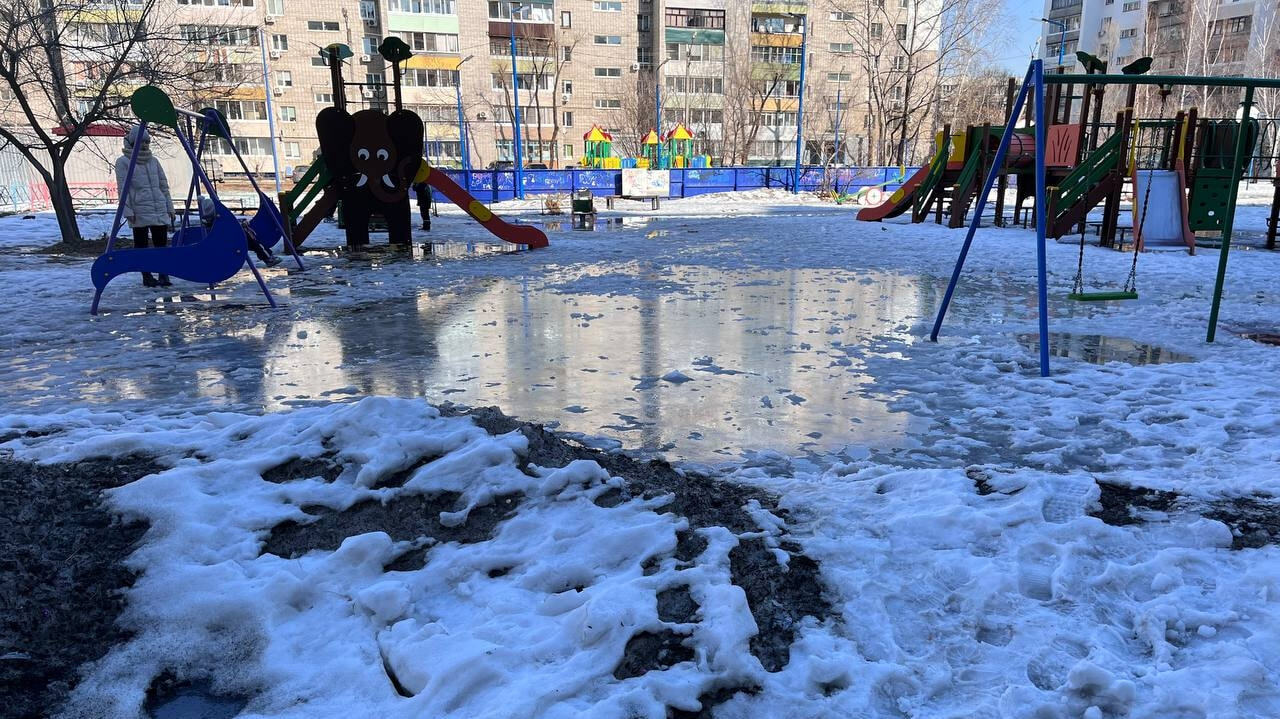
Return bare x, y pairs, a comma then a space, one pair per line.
256, 248
159, 236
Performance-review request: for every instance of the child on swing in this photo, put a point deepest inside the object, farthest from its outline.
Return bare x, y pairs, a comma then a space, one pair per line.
207, 215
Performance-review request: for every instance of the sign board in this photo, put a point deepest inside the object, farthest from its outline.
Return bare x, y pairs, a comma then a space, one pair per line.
646, 183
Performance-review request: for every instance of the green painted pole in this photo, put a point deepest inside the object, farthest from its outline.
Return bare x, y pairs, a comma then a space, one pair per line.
1237, 169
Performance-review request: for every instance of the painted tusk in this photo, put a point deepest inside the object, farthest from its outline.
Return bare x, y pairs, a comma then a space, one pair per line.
386, 180
363, 180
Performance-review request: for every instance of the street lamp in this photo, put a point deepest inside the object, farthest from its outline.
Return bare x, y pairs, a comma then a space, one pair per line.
462, 124
515, 94
657, 107
1062, 36
804, 51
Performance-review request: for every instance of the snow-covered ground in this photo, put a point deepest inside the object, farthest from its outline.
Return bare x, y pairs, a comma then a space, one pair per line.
946, 490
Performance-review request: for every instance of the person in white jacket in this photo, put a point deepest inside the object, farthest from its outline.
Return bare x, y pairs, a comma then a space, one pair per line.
148, 206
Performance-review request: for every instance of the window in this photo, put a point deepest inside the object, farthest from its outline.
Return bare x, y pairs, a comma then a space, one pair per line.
528, 11
695, 53
780, 88
899, 62
424, 7
317, 61
217, 3
568, 150
876, 30
529, 115
566, 53
525, 47
1128, 32
527, 82
436, 113
841, 47
644, 23
374, 79
840, 16
776, 24
220, 36
608, 39
280, 42
778, 119
323, 98
567, 88
439, 42
284, 78
781, 55
606, 6
607, 103
246, 146
901, 31
1131, 6
566, 119
704, 116
533, 151
242, 109
644, 56
292, 149
608, 72
289, 113
566, 19
839, 77
695, 85
694, 17
430, 78
275, 7
322, 25
371, 45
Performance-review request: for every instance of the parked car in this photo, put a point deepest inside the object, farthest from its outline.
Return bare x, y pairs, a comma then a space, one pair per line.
536, 166
501, 165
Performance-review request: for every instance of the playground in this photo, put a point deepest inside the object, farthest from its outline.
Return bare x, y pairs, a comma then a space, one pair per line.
742, 454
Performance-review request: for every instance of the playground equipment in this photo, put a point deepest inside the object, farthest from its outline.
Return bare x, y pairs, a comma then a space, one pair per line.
215, 255
597, 150
1034, 84
368, 161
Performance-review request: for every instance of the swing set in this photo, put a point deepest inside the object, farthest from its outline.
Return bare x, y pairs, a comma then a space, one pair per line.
1034, 84
198, 254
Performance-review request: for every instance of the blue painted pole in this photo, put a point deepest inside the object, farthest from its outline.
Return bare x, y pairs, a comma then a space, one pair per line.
124, 191
1041, 219
657, 103
1005, 139
837, 141
515, 94
804, 51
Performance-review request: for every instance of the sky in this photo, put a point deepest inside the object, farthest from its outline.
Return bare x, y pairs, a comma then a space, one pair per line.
1025, 32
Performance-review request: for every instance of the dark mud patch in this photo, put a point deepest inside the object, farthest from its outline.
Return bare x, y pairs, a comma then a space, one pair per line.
779, 596
677, 605
325, 466
61, 575
405, 518
1254, 521
652, 651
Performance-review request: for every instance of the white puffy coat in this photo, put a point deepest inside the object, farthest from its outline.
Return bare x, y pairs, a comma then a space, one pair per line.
149, 202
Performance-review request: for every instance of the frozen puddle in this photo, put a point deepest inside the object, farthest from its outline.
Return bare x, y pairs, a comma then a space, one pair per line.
1100, 349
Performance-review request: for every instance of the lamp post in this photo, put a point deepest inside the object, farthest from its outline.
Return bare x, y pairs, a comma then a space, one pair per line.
804, 51
657, 110
1062, 36
462, 125
515, 94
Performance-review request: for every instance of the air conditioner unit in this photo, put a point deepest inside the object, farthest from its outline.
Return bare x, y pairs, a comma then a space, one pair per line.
364, 58
482, 115
635, 66
565, 98
275, 54
277, 91
367, 92
370, 22
270, 19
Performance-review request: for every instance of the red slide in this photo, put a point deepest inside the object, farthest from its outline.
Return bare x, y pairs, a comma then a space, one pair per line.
899, 202
527, 235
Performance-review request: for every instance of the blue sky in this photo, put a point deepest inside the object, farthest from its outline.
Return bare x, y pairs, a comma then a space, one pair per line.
1025, 31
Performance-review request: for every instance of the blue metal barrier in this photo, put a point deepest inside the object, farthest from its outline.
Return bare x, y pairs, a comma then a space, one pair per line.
496, 185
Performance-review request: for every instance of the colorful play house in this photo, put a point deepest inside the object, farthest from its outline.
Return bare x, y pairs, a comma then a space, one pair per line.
679, 152
598, 149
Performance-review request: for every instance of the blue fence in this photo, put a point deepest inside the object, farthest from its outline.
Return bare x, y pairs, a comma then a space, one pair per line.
496, 185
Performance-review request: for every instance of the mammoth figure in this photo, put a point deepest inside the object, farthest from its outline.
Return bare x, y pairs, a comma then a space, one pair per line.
372, 158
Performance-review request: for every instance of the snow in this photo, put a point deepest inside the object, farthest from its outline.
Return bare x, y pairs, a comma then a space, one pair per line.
763, 337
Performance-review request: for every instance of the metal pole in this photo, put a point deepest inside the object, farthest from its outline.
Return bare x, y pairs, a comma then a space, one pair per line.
836, 152
515, 94
271, 111
804, 50
1237, 168
982, 203
1041, 217
657, 107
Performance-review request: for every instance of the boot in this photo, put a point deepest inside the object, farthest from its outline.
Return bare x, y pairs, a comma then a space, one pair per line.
164, 281
148, 280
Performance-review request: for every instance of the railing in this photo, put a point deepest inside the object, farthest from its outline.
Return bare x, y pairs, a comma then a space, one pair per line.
496, 185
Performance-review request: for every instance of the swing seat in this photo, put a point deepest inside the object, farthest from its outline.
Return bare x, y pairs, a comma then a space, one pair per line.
266, 224
1102, 296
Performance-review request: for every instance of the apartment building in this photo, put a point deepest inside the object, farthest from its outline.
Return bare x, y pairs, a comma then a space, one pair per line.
1211, 37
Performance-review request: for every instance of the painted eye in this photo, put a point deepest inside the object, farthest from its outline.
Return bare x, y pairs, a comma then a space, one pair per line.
383, 154
363, 154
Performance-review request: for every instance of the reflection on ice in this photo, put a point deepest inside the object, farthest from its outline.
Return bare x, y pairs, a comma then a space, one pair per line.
1099, 349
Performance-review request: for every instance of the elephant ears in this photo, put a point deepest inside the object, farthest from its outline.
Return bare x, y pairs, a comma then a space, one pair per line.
335, 129
407, 133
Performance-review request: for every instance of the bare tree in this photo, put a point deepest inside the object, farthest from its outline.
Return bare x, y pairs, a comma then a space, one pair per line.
65, 64
540, 94
905, 50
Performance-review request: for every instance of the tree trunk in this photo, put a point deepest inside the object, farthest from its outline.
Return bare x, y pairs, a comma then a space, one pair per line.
60, 196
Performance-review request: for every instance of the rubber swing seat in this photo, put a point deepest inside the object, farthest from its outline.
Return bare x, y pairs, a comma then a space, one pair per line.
1102, 296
